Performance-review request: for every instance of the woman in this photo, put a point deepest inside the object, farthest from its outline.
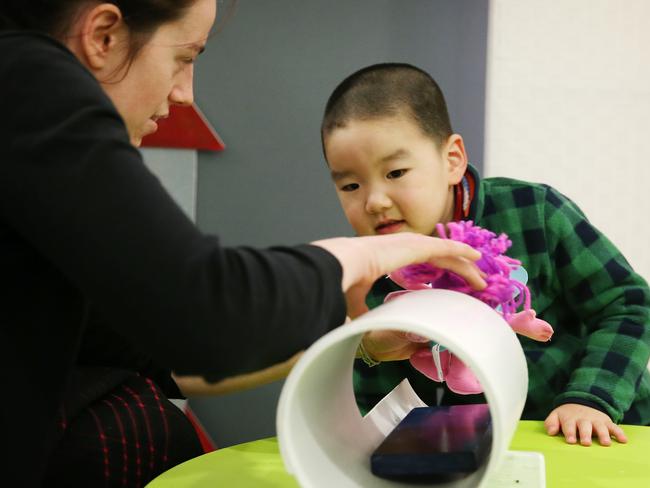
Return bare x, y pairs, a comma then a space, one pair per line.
102, 269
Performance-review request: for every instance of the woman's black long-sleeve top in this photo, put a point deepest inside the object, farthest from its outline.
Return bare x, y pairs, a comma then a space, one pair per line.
83, 222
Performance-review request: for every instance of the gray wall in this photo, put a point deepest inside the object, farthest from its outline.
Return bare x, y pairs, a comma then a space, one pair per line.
263, 83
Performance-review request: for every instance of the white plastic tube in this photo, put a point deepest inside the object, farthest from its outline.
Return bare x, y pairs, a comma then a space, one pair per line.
323, 439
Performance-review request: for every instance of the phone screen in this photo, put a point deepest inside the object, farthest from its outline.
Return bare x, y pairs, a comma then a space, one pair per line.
435, 444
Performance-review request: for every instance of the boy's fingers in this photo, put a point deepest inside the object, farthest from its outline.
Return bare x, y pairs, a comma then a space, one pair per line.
585, 430
569, 430
618, 433
552, 424
602, 432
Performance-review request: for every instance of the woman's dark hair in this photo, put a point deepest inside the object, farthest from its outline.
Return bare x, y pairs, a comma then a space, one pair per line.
385, 90
54, 17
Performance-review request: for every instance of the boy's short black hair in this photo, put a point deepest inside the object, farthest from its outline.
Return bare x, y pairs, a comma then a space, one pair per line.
385, 90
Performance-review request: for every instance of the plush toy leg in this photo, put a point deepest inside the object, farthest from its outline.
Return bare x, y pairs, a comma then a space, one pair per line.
527, 324
460, 378
435, 368
444, 366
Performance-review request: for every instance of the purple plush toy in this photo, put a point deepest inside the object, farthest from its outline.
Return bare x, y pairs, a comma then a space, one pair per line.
503, 293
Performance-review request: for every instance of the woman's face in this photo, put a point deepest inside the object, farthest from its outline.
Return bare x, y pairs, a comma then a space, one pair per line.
162, 72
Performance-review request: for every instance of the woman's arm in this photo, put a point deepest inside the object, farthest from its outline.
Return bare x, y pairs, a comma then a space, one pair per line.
78, 196
192, 386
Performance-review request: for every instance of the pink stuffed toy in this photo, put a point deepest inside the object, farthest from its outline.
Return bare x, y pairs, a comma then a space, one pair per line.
506, 291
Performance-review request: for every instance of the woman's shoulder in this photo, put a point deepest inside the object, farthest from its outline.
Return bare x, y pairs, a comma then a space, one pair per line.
50, 99
30, 45
39, 75
32, 55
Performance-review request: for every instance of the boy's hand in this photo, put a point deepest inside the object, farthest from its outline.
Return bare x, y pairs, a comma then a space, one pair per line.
582, 422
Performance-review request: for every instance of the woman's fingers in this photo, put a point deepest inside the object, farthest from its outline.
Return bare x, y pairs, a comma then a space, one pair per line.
364, 259
390, 345
442, 253
457, 257
355, 298
466, 269
410, 336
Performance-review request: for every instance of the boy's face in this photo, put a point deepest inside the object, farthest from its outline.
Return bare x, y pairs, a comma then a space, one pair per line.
391, 177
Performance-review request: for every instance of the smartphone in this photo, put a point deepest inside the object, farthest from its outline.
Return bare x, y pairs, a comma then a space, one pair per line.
432, 444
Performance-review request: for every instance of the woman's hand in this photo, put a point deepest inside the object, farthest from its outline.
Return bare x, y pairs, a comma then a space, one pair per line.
392, 345
365, 259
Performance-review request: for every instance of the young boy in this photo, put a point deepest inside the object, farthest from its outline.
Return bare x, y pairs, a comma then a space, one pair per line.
398, 167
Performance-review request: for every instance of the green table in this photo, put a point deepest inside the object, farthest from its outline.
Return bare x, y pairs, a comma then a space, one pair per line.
258, 463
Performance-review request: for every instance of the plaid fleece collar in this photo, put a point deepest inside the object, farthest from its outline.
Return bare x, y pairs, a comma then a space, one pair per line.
468, 199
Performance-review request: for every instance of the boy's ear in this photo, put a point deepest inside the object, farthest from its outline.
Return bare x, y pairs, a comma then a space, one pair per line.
456, 157
102, 32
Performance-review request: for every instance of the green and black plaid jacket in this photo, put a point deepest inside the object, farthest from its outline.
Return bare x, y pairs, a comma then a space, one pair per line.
580, 283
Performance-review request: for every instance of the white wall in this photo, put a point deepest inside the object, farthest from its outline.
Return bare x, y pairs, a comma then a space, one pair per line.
568, 104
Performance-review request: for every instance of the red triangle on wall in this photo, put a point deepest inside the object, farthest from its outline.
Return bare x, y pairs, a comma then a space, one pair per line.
187, 128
